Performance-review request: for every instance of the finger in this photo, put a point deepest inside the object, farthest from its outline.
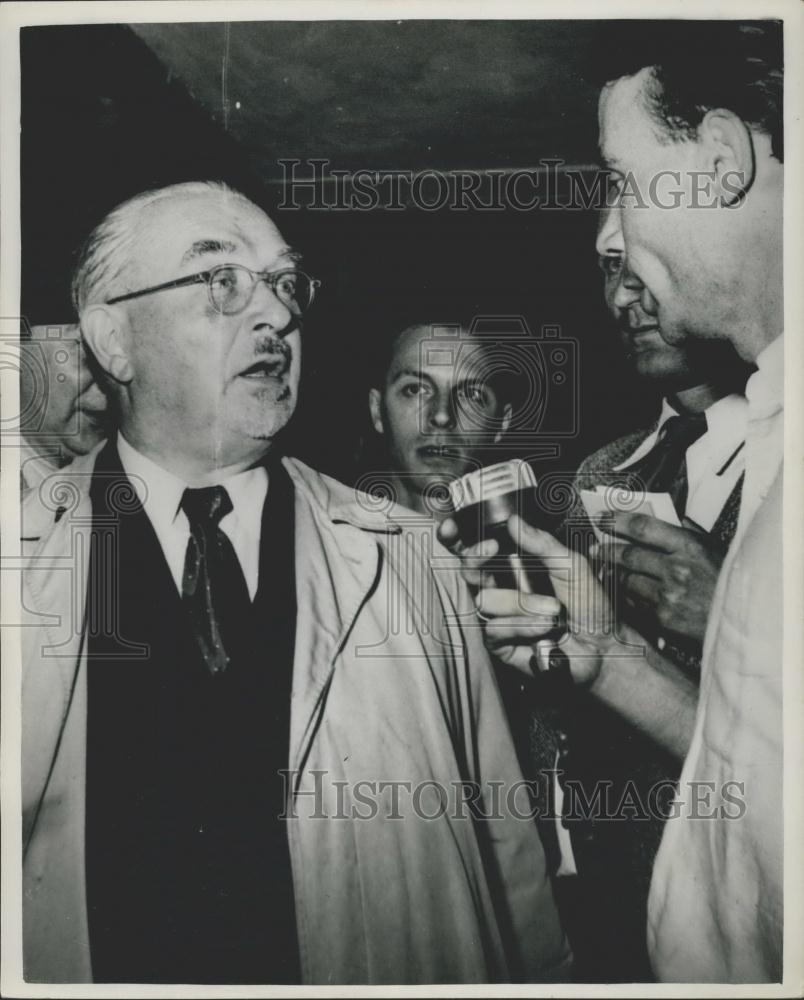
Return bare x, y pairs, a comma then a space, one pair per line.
516, 630
495, 602
448, 533
534, 541
479, 553
474, 561
584, 664
518, 657
651, 531
636, 559
642, 588
573, 580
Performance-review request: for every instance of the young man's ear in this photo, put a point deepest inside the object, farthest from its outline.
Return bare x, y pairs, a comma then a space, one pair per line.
505, 422
101, 327
375, 408
729, 152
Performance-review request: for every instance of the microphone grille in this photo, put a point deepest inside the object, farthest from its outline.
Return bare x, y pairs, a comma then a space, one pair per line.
491, 481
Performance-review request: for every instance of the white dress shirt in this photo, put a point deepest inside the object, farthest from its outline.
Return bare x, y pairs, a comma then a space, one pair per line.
36, 467
160, 494
714, 462
715, 909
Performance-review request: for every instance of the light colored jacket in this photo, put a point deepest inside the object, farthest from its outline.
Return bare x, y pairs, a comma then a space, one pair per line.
391, 682
716, 907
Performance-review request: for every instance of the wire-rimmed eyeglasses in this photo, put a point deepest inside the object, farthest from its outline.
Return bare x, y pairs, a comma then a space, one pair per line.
231, 286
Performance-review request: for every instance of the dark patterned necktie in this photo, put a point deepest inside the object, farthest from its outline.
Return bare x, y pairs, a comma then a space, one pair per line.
664, 468
214, 589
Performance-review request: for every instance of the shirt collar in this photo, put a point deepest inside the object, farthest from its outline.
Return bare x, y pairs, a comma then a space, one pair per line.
726, 425
765, 389
34, 466
160, 492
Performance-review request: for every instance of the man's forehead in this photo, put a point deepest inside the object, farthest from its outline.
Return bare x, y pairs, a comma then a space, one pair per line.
621, 111
188, 226
429, 350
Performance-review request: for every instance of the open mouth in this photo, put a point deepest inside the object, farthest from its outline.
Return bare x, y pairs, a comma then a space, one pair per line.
265, 369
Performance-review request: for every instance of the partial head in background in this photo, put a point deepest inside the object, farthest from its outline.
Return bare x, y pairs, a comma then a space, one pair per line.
692, 136
674, 367
192, 302
63, 411
438, 405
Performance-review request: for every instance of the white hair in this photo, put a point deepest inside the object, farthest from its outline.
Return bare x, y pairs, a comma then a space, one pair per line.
107, 251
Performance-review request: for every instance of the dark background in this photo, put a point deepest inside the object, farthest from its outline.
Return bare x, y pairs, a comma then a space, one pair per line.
111, 110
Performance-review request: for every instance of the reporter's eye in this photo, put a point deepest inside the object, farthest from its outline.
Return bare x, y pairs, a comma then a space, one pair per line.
611, 264
614, 186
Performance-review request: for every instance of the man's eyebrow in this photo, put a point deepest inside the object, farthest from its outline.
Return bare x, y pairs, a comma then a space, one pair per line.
202, 247
409, 373
294, 256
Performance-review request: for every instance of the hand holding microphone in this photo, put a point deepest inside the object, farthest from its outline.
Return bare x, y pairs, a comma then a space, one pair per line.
489, 522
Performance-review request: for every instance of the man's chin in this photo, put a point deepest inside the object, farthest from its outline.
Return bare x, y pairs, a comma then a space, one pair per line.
265, 418
76, 447
659, 365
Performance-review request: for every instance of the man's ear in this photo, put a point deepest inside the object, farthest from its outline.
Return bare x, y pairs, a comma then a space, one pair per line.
729, 149
375, 408
101, 327
505, 422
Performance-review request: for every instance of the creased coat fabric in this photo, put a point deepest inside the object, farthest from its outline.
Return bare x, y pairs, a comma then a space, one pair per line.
716, 908
392, 684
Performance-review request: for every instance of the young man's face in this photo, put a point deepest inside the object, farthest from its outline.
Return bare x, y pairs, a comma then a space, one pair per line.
436, 410
671, 245
63, 412
220, 385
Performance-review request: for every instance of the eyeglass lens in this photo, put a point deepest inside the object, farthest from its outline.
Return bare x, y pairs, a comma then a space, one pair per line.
231, 287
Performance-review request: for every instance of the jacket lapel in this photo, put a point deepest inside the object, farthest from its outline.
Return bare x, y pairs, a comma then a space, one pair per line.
337, 567
54, 597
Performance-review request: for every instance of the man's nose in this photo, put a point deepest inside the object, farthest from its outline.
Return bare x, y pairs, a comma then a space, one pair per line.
94, 397
442, 411
270, 313
629, 288
610, 233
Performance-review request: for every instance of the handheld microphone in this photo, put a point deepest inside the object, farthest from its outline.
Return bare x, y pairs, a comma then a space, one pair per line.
482, 501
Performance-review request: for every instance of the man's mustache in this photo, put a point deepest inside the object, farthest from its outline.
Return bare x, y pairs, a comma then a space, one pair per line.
275, 352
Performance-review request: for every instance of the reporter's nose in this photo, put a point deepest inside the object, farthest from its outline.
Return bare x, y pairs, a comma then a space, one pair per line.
629, 289
609, 233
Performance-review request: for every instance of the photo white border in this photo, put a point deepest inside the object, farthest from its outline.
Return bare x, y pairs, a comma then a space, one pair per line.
16, 15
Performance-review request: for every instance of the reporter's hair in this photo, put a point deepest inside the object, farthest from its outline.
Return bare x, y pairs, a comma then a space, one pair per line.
698, 66
434, 321
107, 251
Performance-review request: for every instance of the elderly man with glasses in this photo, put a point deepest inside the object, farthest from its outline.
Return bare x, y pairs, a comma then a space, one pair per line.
259, 743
